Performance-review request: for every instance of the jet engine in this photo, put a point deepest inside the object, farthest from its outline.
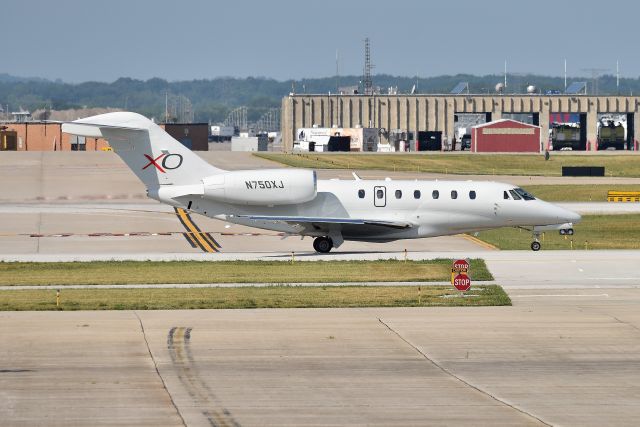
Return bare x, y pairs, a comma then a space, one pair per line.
262, 187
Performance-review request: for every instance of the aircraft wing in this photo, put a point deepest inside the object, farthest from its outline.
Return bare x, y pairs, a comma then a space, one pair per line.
306, 220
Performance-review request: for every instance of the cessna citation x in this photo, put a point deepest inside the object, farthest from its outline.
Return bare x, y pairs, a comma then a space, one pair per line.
294, 201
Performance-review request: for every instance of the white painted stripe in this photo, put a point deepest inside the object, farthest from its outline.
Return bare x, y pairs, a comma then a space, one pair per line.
559, 295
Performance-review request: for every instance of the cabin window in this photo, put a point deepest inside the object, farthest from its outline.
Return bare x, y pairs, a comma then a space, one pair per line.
454, 194
472, 195
416, 194
435, 194
506, 195
515, 195
380, 194
361, 194
398, 194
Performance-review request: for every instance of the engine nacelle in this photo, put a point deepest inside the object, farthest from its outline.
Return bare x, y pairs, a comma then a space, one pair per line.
262, 187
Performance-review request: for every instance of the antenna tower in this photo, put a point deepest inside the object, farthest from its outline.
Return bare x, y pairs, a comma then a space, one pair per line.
595, 75
366, 81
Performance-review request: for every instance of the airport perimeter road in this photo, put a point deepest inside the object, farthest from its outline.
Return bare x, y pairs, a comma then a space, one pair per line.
558, 358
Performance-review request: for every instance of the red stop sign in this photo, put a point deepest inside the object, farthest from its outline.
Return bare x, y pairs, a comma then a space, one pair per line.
461, 265
462, 282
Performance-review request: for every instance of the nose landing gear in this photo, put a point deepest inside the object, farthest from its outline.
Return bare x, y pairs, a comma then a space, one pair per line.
323, 244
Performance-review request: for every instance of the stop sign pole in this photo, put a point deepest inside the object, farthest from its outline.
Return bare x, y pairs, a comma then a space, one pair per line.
460, 275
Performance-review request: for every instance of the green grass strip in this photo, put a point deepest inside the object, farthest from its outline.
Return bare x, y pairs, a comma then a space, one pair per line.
466, 164
132, 272
252, 297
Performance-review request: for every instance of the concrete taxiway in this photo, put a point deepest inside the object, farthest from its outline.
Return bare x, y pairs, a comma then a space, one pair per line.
563, 358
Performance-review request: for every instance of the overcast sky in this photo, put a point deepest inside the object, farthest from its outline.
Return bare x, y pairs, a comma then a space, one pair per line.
80, 40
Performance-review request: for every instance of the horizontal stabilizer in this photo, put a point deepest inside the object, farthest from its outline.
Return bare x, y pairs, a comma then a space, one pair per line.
92, 130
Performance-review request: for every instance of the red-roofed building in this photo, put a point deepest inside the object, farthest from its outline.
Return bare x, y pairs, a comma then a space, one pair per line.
505, 136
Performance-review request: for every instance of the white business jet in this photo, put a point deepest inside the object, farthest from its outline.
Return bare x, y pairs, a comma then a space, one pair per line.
294, 201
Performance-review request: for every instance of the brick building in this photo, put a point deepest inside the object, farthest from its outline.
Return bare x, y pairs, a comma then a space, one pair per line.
40, 136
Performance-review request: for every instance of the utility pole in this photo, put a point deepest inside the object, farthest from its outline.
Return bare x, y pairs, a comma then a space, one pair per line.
505, 75
166, 107
617, 77
337, 74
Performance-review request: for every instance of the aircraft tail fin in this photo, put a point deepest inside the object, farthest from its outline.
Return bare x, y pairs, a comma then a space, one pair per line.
150, 152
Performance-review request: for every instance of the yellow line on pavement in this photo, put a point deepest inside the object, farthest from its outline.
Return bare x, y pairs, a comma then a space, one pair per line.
478, 242
197, 235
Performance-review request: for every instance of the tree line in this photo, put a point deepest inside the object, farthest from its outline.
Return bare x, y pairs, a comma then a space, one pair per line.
213, 99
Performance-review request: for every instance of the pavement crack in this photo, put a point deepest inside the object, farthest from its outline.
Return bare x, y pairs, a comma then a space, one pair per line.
626, 323
460, 379
155, 365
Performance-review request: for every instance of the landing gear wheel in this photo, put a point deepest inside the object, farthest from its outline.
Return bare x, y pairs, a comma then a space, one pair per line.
535, 246
323, 244
570, 232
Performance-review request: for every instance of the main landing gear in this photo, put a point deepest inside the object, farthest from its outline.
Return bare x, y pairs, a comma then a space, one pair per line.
535, 245
323, 244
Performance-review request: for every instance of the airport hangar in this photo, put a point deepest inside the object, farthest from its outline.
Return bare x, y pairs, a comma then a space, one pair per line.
430, 112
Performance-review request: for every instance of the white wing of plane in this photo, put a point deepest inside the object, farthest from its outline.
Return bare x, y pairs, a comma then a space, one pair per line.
302, 220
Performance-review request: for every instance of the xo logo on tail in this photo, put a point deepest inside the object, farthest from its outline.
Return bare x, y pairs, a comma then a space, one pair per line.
169, 161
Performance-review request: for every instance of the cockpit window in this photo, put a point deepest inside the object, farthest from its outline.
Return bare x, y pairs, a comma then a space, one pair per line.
524, 194
515, 195
506, 195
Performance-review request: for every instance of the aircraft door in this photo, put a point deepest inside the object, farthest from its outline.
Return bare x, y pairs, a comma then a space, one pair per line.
380, 196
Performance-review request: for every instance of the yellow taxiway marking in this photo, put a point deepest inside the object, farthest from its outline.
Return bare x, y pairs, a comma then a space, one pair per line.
203, 240
478, 242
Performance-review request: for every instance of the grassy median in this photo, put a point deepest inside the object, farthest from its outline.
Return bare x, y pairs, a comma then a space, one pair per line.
593, 232
252, 297
464, 164
131, 272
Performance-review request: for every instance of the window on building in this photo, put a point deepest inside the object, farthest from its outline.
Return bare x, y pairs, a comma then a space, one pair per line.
472, 195
416, 194
454, 194
361, 194
398, 194
435, 194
